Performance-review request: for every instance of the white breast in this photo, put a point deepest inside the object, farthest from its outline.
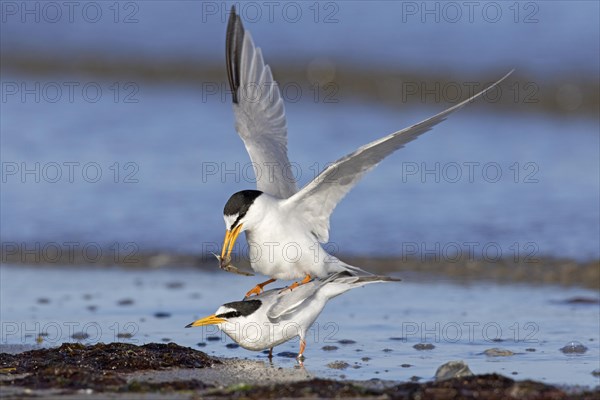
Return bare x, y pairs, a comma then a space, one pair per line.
257, 332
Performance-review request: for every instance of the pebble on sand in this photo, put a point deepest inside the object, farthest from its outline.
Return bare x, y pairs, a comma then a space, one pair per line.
338, 365
424, 346
574, 347
452, 369
80, 336
498, 352
582, 300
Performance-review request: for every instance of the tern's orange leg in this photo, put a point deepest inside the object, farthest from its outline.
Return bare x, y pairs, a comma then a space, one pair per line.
302, 347
294, 285
259, 288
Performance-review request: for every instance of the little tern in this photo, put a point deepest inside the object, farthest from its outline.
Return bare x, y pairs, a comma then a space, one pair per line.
273, 317
285, 228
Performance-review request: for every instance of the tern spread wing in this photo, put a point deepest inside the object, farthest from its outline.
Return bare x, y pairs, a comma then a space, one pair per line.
316, 201
259, 111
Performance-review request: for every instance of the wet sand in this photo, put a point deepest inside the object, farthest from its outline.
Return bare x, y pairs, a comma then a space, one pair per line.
537, 271
357, 82
160, 371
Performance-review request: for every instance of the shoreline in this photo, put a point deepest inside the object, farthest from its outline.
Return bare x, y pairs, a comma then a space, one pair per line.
160, 371
538, 271
541, 96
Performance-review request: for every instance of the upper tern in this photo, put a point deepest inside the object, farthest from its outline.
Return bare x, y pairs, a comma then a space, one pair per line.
272, 318
285, 227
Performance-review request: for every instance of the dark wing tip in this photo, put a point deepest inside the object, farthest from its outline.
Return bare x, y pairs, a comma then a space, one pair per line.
378, 278
390, 279
233, 51
189, 325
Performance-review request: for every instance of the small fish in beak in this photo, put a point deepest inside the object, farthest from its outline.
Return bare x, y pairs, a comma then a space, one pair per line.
225, 264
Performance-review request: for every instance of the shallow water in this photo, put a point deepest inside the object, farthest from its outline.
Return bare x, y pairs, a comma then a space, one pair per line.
126, 162
384, 321
156, 174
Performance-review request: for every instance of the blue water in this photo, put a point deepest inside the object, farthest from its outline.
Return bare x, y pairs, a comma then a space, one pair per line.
168, 156
461, 321
169, 162
543, 38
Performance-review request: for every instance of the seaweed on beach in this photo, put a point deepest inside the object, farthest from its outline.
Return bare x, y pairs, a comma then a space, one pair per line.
490, 386
105, 368
99, 366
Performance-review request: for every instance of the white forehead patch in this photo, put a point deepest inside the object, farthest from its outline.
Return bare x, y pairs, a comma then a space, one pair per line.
224, 310
229, 220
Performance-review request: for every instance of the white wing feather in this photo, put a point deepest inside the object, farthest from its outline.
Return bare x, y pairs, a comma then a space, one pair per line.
260, 114
288, 303
316, 201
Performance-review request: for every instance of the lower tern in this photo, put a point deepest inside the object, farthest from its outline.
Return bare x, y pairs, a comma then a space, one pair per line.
277, 217
267, 320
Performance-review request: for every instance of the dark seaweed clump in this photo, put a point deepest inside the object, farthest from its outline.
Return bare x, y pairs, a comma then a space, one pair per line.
491, 386
99, 366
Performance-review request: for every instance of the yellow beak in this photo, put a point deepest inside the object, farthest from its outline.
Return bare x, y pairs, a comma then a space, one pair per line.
230, 238
210, 320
